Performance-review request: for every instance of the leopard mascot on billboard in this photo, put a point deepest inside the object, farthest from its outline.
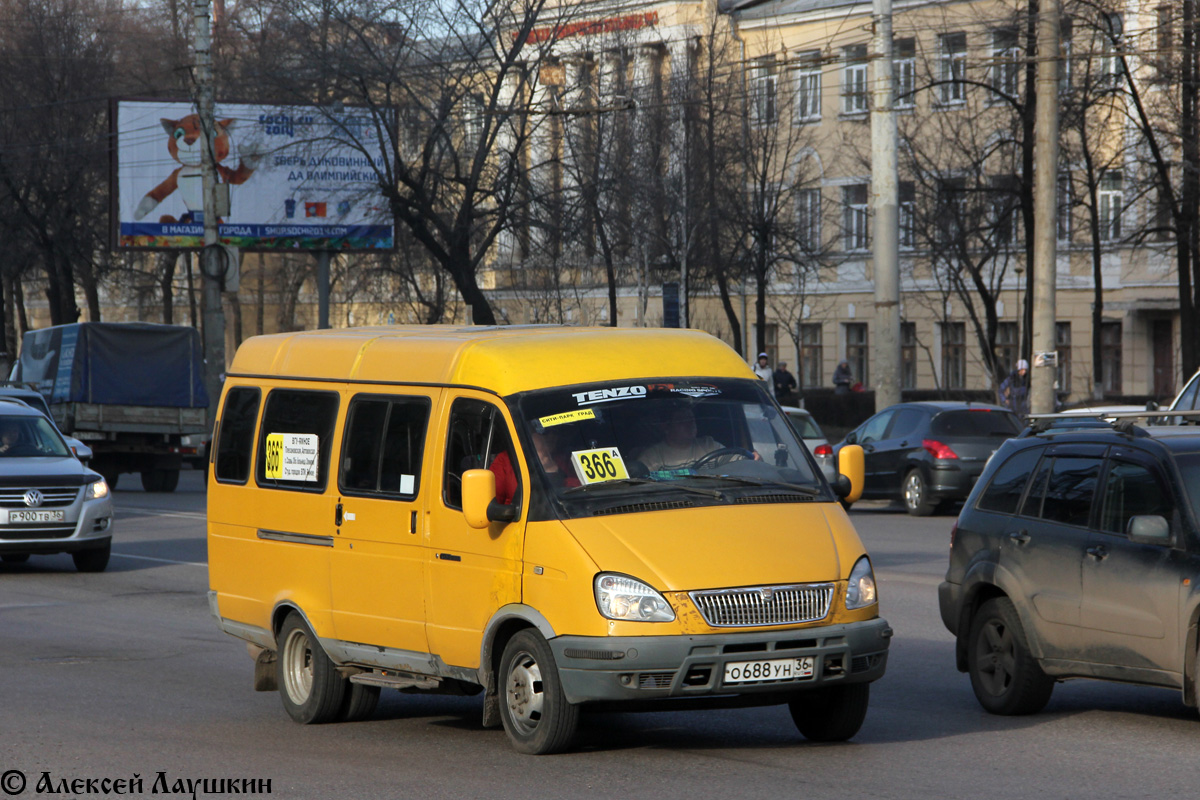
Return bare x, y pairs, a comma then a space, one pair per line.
185, 144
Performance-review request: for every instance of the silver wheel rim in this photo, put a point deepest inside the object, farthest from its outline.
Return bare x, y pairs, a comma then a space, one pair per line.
297, 667
524, 693
912, 491
996, 657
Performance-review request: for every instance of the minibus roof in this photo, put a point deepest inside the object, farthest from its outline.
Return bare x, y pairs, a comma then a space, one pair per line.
502, 359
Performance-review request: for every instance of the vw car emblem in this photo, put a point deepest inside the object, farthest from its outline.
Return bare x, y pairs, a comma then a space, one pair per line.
33, 498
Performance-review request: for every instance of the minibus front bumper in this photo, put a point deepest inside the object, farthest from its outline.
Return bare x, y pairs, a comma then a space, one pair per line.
643, 668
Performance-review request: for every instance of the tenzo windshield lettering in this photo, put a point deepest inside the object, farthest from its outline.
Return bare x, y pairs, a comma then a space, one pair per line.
609, 395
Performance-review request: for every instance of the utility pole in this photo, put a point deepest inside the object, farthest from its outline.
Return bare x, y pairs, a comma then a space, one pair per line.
211, 257
885, 208
1045, 178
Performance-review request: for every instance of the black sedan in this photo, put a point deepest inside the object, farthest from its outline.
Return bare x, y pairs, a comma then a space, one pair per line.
927, 454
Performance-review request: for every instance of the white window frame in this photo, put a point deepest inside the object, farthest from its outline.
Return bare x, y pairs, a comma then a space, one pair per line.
952, 66
905, 79
1005, 71
808, 219
855, 217
907, 222
808, 86
764, 87
854, 79
1111, 197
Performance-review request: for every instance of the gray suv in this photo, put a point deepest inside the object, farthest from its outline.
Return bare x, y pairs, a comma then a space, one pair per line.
1077, 554
49, 501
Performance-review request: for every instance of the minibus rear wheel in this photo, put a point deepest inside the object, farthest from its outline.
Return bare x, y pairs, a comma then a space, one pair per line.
535, 711
312, 690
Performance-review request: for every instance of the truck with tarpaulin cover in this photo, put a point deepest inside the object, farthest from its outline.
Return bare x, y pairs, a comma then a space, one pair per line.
129, 390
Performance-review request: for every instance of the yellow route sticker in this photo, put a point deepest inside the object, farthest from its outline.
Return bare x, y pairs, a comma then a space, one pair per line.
292, 456
274, 466
601, 464
567, 416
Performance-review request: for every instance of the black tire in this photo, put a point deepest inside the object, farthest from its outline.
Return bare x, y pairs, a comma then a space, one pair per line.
93, 560
359, 703
168, 479
914, 492
533, 708
832, 714
14, 558
1005, 677
310, 686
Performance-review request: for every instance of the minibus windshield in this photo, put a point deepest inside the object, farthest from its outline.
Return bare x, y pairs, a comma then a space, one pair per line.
709, 437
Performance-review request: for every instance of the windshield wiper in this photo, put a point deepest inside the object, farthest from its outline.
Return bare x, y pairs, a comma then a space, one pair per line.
795, 487
673, 485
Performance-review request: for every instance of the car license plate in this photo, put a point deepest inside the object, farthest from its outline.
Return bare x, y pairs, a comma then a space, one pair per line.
34, 516
775, 669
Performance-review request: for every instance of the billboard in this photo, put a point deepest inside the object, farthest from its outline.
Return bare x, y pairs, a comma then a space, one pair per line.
298, 177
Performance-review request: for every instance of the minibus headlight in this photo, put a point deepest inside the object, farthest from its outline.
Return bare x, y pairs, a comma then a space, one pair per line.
861, 590
97, 490
623, 598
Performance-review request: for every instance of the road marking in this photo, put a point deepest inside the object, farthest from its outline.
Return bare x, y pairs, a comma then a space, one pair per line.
163, 560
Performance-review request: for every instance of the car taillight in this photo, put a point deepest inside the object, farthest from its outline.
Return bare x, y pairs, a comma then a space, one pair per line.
937, 449
822, 450
953, 533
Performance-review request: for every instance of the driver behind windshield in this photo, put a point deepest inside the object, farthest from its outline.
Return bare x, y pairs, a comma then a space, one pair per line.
680, 448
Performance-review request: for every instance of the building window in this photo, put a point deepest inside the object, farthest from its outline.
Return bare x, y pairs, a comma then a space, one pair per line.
905, 61
472, 120
1065, 50
809, 372
763, 91
1112, 31
1005, 193
907, 218
1006, 64
908, 355
808, 219
808, 86
856, 352
952, 65
854, 80
949, 220
1006, 348
1062, 343
771, 344
1163, 226
1066, 201
1110, 357
1111, 205
954, 355
854, 199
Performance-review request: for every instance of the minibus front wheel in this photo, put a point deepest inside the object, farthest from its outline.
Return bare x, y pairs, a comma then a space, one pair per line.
311, 688
535, 711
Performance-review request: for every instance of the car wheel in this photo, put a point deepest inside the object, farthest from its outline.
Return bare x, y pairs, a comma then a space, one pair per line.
150, 480
915, 492
168, 479
536, 714
312, 690
359, 703
833, 714
14, 558
1005, 677
94, 560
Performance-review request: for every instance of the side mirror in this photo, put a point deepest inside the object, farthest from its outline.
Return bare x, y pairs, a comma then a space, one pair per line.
479, 499
852, 437
1149, 529
851, 473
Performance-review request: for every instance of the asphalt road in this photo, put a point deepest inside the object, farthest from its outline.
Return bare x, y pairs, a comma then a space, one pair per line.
124, 673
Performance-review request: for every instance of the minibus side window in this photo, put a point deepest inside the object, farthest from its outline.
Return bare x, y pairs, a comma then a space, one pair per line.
384, 444
478, 439
295, 439
236, 439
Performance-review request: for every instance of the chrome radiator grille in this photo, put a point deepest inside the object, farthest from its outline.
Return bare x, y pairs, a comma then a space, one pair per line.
52, 497
764, 605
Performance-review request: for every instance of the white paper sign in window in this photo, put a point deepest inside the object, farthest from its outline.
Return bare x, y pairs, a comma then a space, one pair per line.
292, 456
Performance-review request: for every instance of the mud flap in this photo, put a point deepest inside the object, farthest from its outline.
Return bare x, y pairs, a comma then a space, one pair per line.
264, 672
